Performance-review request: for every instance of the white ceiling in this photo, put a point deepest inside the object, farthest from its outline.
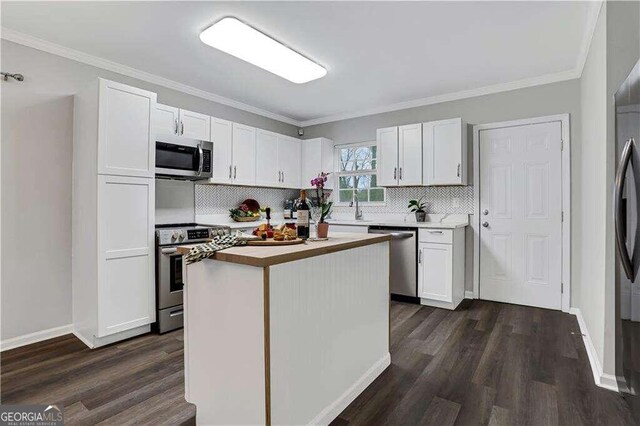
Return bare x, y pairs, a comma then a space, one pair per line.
379, 55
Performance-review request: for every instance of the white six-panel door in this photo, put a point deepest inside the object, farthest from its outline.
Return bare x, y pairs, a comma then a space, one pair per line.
521, 214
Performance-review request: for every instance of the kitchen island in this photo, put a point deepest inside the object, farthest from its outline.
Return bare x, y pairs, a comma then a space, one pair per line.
287, 334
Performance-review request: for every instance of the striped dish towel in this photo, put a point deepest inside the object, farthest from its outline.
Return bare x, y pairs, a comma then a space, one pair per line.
205, 250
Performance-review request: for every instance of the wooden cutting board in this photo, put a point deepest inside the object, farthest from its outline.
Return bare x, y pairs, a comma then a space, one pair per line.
272, 242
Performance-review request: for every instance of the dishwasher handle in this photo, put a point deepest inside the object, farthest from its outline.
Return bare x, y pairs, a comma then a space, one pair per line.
395, 235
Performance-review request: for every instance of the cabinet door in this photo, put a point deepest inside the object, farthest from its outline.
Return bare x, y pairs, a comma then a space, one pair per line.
410, 155
267, 171
387, 156
195, 125
444, 153
244, 154
435, 280
289, 161
221, 136
327, 161
310, 164
126, 287
167, 120
126, 144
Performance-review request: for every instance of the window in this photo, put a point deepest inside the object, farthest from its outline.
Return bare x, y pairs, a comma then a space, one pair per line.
357, 173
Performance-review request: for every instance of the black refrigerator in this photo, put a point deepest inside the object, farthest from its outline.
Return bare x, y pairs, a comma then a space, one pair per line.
626, 215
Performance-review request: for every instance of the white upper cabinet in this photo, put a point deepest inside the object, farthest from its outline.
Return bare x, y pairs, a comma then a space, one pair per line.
126, 145
410, 155
195, 125
387, 166
400, 155
317, 157
289, 151
268, 172
180, 122
222, 138
167, 120
244, 154
445, 152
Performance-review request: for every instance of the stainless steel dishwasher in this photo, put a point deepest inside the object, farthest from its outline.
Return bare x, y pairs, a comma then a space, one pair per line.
404, 261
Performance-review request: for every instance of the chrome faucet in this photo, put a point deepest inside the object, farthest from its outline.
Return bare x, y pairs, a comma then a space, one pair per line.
358, 212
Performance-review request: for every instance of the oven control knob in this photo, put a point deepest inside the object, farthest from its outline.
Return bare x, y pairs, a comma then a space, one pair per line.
183, 235
174, 236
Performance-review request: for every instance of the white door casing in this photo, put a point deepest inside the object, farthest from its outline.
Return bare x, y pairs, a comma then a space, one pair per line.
520, 200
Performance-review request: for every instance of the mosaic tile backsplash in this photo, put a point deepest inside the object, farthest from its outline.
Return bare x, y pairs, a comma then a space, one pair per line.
216, 199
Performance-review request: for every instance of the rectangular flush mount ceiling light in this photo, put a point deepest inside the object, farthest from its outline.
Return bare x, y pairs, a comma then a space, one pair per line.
240, 40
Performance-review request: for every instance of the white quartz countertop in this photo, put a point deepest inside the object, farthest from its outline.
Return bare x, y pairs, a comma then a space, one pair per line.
401, 224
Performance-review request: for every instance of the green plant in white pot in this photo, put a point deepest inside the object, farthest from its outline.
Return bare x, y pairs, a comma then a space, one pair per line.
418, 207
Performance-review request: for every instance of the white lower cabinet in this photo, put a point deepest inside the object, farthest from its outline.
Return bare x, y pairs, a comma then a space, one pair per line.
441, 267
126, 291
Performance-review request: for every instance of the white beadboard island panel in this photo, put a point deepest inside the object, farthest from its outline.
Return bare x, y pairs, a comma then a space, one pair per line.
224, 343
329, 332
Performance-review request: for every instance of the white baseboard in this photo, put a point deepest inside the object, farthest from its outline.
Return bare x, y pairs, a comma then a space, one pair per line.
38, 336
602, 379
468, 294
334, 409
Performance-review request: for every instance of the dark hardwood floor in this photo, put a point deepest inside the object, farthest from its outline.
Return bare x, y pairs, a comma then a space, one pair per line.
489, 363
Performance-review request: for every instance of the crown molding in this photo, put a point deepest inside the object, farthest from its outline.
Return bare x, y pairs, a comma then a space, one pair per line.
592, 21
86, 58
464, 94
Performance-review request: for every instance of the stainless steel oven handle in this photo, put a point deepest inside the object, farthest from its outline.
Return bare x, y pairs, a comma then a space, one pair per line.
394, 235
201, 159
617, 207
169, 250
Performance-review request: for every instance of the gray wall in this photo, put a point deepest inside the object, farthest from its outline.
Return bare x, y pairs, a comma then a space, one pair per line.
550, 99
37, 119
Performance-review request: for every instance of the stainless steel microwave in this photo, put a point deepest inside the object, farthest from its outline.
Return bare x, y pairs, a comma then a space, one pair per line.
183, 158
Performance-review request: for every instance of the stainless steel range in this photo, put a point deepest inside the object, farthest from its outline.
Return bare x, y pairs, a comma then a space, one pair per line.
169, 276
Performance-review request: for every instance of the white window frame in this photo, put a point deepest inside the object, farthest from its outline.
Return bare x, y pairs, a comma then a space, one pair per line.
338, 174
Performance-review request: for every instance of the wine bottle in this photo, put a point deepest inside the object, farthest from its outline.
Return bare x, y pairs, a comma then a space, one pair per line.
303, 216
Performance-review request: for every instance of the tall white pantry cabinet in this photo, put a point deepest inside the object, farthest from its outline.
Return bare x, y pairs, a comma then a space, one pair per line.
113, 212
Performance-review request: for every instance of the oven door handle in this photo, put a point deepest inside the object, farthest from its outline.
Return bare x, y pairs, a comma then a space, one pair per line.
169, 250
200, 160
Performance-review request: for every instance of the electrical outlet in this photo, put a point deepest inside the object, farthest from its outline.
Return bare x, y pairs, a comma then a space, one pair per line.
455, 203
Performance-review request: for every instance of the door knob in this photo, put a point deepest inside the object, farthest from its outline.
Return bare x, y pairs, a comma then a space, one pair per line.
485, 224
485, 212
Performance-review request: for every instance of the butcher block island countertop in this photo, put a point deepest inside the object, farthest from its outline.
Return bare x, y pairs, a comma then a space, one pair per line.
285, 335
273, 255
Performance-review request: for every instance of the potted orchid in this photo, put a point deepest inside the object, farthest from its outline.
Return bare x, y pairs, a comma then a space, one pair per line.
323, 202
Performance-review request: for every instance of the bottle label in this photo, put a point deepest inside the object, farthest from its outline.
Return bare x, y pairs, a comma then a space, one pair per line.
303, 217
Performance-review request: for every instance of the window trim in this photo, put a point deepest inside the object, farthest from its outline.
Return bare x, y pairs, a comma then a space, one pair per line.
337, 174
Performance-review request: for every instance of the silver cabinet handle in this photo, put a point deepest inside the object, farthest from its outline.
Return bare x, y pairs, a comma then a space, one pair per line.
176, 313
435, 232
458, 172
420, 256
175, 132
395, 174
400, 173
200, 160
234, 172
485, 224
229, 171
181, 128
283, 176
617, 208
